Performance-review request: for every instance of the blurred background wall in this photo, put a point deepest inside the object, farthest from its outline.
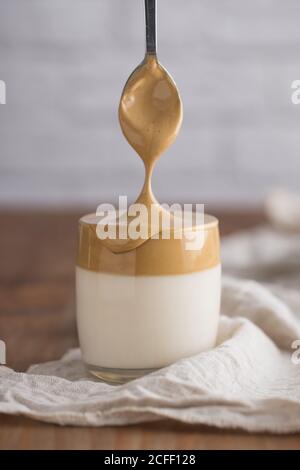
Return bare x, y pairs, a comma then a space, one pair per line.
65, 63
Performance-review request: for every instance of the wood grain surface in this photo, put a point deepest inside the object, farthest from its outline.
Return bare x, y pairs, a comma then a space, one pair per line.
37, 251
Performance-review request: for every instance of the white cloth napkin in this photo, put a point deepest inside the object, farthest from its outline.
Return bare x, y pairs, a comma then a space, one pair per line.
250, 381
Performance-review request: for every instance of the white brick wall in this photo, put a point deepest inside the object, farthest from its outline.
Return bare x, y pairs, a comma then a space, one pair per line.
66, 61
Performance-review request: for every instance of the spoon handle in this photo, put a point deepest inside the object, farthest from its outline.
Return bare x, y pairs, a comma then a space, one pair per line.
150, 13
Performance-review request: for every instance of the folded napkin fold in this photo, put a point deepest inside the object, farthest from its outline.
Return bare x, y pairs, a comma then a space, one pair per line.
250, 381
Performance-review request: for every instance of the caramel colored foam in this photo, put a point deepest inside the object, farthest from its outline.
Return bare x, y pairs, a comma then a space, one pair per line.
150, 115
150, 110
153, 257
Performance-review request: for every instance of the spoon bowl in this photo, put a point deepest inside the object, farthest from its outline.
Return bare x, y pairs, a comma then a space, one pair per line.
150, 110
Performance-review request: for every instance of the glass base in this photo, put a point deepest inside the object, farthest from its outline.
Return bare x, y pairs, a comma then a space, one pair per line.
117, 376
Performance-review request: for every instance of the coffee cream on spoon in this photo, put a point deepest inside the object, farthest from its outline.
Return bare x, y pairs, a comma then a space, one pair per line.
150, 115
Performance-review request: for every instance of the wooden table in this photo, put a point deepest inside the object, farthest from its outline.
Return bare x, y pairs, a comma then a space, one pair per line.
37, 323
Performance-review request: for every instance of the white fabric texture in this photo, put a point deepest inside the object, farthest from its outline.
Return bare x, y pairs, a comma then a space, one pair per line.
250, 381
